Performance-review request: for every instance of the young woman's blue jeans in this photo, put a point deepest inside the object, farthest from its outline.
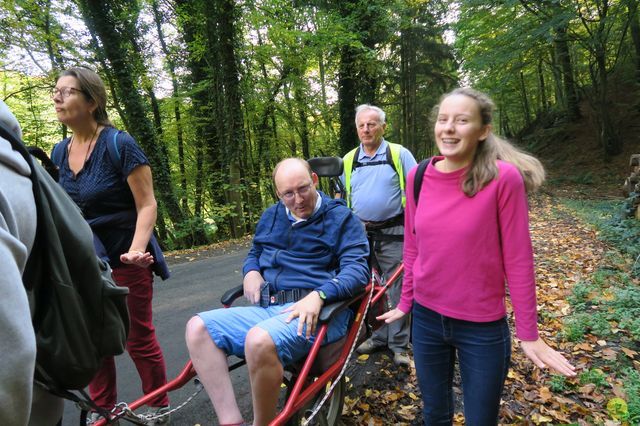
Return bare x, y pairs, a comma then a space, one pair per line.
484, 352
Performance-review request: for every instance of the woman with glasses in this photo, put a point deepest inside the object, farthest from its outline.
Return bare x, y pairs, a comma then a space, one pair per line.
113, 187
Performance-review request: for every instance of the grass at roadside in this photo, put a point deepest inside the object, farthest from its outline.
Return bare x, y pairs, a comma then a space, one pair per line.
605, 309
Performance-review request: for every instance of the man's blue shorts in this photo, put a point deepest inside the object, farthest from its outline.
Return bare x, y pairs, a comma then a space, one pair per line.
228, 328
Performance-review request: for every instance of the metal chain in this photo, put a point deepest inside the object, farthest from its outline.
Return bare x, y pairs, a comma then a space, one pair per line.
319, 405
146, 418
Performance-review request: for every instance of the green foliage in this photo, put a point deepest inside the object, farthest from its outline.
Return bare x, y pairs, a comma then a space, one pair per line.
581, 323
28, 99
558, 383
189, 229
579, 297
631, 382
627, 304
533, 57
594, 376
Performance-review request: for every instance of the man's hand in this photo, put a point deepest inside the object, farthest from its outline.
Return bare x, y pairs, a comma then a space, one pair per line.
251, 285
307, 310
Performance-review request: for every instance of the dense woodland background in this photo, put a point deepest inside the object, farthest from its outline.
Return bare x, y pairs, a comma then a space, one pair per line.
217, 91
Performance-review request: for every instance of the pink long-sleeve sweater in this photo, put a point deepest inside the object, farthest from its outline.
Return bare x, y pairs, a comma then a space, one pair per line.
465, 248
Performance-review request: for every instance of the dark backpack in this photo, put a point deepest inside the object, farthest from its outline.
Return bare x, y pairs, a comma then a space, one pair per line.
79, 314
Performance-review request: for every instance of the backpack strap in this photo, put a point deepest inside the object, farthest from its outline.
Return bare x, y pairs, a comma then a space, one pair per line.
419, 177
51, 167
57, 153
114, 151
417, 181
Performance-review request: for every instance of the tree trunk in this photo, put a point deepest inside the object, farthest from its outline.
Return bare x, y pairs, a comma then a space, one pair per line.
634, 27
347, 100
205, 110
564, 59
525, 100
176, 106
300, 98
544, 102
609, 138
557, 77
234, 140
108, 75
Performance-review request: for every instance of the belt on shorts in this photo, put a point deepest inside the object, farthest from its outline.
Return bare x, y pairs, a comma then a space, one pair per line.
287, 296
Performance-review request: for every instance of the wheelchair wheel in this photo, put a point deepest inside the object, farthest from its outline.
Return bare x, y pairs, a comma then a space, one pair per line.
329, 414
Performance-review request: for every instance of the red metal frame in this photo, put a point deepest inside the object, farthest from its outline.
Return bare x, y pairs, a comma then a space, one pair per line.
299, 395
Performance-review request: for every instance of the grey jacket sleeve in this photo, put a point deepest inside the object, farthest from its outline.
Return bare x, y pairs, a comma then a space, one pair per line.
17, 231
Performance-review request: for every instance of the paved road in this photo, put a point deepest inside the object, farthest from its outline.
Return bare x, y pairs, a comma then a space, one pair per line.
194, 286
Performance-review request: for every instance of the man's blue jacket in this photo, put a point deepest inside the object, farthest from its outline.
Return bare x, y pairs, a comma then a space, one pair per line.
327, 252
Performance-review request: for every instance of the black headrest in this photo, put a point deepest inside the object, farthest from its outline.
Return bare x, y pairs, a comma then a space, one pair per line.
326, 166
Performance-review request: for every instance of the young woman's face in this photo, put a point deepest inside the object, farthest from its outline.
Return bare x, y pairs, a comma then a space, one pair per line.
70, 102
459, 128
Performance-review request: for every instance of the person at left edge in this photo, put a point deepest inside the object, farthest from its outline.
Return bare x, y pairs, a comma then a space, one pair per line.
116, 197
19, 393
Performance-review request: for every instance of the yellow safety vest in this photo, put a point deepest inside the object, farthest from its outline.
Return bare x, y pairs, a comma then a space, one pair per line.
393, 151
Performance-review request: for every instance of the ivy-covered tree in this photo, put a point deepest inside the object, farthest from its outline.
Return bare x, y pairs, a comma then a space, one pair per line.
113, 24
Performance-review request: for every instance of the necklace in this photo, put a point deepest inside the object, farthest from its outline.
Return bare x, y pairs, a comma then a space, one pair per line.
86, 156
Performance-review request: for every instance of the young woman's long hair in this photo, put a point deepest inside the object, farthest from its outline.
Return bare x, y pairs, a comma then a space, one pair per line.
483, 168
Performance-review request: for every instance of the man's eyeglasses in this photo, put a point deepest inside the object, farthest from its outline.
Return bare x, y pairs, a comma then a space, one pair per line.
303, 191
65, 92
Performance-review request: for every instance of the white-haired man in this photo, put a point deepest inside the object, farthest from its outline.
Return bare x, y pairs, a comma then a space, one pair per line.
374, 176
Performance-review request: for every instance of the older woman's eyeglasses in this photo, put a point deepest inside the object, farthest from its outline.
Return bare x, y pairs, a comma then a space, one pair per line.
65, 92
303, 191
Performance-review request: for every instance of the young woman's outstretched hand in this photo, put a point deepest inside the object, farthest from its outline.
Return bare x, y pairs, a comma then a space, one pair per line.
391, 316
544, 356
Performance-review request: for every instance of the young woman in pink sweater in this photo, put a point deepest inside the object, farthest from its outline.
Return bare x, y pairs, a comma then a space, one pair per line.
468, 235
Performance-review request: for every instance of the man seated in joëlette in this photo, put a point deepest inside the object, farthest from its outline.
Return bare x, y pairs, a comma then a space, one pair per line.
308, 250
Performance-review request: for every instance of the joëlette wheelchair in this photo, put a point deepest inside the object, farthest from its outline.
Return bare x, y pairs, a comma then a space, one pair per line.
316, 386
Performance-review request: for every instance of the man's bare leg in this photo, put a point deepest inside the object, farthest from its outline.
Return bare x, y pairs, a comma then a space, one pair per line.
210, 362
265, 372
